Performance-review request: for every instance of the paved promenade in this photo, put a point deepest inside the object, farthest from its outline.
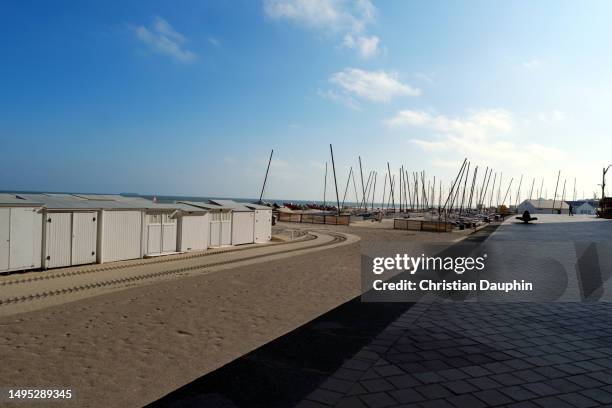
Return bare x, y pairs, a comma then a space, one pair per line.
514, 354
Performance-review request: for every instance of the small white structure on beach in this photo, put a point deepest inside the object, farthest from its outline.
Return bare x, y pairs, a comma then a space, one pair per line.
177, 227
70, 230
160, 232
120, 235
543, 206
193, 228
20, 233
60, 230
88, 229
119, 228
219, 220
262, 232
243, 221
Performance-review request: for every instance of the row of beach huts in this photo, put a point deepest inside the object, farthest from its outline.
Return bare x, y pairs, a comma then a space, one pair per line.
60, 230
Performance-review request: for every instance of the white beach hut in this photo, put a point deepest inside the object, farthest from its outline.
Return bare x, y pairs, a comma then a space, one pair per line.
193, 228
159, 234
82, 229
262, 231
120, 236
220, 222
20, 233
243, 221
69, 230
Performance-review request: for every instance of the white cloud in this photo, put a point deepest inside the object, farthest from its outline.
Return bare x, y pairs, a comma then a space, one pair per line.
532, 64
475, 126
482, 136
367, 47
552, 117
339, 97
346, 18
377, 86
429, 145
162, 39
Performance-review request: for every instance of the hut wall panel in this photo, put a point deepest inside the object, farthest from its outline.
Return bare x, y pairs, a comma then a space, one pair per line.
20, 238
263, 226
169, 237
26, 238
5, 228
194, 232
121, 236
84, 237
58, 240
154, 239
226, 233
243, 224
215, 233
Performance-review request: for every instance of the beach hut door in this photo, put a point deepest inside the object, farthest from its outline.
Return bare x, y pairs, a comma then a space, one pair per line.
154, 234
84, 236
215, 230
58, 240
4, 238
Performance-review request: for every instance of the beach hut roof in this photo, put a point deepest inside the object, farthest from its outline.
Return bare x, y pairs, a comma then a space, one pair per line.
12, 200
257, 206
206, 206
235, 206
69, 202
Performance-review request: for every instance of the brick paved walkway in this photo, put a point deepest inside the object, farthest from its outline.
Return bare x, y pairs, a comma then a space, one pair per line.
477, 354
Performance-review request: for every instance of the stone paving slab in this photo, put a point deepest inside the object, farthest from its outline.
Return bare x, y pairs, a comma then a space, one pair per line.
554, 355
486, 354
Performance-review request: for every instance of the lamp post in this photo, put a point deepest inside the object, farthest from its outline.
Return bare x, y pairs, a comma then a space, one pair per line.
603, 181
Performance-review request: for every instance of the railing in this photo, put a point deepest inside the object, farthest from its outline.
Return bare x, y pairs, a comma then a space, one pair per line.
315, 218
421, 225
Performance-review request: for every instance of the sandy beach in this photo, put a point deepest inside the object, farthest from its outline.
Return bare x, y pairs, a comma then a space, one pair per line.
130, 347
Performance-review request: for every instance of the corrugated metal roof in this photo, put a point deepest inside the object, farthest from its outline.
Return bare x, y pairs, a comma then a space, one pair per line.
57, 201
235, 206
13, 200
99, 197
190, 208
64, 196
146, 204
68, 202
206, 206
258, 207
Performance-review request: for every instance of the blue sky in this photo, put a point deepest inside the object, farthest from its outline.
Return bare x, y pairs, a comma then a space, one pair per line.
189, 98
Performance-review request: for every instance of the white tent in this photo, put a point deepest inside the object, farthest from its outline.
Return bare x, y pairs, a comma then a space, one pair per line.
543, 206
